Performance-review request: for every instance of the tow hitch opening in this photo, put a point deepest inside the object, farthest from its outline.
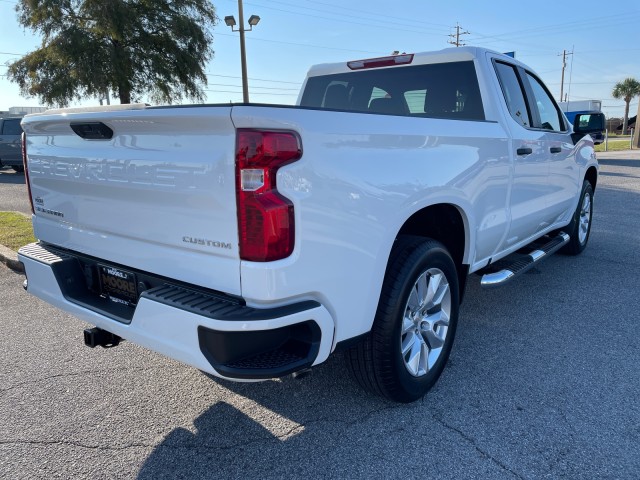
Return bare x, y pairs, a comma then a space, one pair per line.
96, 336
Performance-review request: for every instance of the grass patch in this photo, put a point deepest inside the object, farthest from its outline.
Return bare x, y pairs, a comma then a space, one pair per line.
614, 146
15, 230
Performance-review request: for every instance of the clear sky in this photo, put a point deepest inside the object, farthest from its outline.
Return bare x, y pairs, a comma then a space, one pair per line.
294, 34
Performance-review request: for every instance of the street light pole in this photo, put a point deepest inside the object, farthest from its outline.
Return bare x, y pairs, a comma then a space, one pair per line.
243, 56
231, 22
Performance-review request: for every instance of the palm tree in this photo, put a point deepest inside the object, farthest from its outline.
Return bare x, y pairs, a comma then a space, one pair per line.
627, 89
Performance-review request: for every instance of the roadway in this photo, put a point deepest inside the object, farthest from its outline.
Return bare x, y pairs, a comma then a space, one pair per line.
543, 381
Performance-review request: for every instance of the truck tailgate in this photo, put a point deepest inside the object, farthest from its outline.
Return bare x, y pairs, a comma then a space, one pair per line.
158, 196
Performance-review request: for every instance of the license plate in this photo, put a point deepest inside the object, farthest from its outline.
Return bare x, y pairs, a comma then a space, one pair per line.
118, 285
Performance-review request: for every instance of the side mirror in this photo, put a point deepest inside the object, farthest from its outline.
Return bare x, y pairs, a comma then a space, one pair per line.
589, 124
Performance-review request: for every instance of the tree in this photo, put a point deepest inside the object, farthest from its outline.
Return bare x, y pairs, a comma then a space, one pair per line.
627, 89
128, 47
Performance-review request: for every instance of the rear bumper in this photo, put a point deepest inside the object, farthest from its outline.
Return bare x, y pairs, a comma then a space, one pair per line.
217, 334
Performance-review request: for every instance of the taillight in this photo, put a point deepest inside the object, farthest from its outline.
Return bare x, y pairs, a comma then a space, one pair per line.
26, 169
265, 217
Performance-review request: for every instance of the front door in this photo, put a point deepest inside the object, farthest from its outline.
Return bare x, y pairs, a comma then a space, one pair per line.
530, 160
563, 177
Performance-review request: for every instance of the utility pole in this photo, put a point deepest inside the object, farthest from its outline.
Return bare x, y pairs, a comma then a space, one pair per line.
456, 35
564, 65
636, 135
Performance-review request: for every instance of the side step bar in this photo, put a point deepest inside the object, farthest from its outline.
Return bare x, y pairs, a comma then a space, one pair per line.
500, 278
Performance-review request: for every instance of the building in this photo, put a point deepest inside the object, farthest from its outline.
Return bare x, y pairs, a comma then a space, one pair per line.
25, 110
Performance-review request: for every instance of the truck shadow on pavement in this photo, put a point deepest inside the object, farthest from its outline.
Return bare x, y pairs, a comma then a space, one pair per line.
274, 429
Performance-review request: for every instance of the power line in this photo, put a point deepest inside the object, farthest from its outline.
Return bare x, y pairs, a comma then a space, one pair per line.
631, 105
207, 74
607, 51
382, 25
584, 83
252, 93
377, 14
239, 86
386, 20
269, 41
544, 30
300, 44
566, 27
255, 79
571, 71
262, 88
591, 68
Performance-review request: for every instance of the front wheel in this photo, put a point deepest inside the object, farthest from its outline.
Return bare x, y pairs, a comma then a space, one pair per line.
415, 323
580, 227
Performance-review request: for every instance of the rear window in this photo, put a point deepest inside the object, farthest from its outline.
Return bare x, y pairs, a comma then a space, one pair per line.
442, 90
11, 127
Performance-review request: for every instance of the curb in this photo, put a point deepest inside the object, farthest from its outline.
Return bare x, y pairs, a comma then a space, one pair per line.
10, 259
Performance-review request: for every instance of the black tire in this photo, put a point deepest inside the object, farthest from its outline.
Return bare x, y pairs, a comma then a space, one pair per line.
18, 169
377, 363
580, 227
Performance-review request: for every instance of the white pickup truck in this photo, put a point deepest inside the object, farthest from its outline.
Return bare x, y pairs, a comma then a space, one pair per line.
252, 241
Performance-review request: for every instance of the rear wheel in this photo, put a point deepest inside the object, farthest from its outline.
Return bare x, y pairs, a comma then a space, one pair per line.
580, 227
415, 323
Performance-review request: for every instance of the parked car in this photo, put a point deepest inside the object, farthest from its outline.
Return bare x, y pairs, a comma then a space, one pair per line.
10, 149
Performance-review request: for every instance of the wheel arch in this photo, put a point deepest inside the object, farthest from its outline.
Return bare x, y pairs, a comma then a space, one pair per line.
446, 223
591, 176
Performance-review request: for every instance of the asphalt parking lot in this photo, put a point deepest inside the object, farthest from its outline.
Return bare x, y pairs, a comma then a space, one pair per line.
543, 382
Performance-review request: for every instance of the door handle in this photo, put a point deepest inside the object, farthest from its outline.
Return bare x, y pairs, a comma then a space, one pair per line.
555, 149
524, 151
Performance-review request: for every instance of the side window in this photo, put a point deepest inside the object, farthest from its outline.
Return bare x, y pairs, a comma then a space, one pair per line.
11, 127
513, 95
378, 93
336, 96
415, 100
549, 115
